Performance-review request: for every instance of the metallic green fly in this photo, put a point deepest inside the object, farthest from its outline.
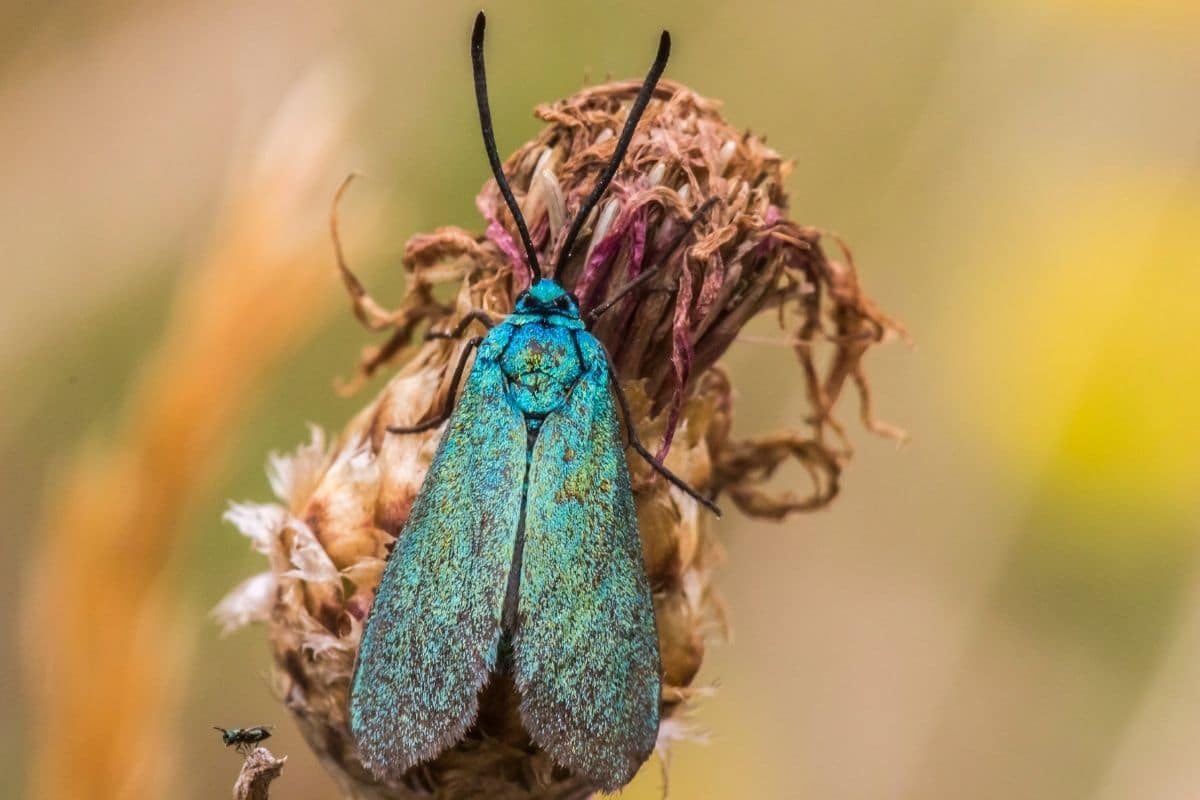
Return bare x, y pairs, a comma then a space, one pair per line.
241, 739
522, 553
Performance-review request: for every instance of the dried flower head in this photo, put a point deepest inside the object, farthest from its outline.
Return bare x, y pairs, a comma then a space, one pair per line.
343, 504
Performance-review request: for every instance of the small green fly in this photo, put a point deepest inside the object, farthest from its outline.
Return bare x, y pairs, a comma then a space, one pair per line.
522, 553
241, 739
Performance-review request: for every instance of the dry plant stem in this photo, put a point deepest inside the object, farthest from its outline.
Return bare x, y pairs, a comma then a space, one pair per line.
342, 504
259, 769
105, 662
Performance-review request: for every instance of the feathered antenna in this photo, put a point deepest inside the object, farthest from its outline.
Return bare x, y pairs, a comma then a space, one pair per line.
489, 144
635, 114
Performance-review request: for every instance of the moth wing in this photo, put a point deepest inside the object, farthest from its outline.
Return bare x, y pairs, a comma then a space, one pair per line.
431, 639
586, 649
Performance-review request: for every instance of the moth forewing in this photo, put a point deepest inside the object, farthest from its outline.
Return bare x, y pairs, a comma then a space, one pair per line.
586, 650
431, 640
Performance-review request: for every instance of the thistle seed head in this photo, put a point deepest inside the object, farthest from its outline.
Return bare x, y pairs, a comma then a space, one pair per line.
698, 214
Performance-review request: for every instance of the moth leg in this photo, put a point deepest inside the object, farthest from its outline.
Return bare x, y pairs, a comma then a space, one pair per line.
482, 317
637, 445
429, 424
599, 310
701, 212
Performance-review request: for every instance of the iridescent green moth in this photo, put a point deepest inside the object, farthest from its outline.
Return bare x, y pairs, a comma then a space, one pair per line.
522, 553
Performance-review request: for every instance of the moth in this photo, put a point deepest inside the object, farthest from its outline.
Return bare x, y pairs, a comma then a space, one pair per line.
522, 553
242, 738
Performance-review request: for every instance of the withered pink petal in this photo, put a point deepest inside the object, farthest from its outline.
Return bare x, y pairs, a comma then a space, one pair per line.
681, 357
500, 236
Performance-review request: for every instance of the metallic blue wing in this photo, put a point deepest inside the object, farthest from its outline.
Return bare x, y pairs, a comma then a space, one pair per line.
432, 636
586, 658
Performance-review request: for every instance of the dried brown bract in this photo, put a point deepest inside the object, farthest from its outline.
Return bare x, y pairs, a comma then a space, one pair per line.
697, 215
259, 769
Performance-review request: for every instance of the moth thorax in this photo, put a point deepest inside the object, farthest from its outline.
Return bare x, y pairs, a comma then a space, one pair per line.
541, 364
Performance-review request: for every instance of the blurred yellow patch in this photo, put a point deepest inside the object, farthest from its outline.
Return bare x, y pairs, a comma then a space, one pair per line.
1083, 351
1136, 11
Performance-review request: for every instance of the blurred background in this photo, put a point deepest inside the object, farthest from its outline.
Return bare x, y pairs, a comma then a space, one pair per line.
1006, 607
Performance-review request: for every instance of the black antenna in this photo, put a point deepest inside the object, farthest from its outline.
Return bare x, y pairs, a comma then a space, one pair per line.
635, 114
489, 144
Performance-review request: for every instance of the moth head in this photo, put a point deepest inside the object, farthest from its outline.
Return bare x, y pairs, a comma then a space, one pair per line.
545, 299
